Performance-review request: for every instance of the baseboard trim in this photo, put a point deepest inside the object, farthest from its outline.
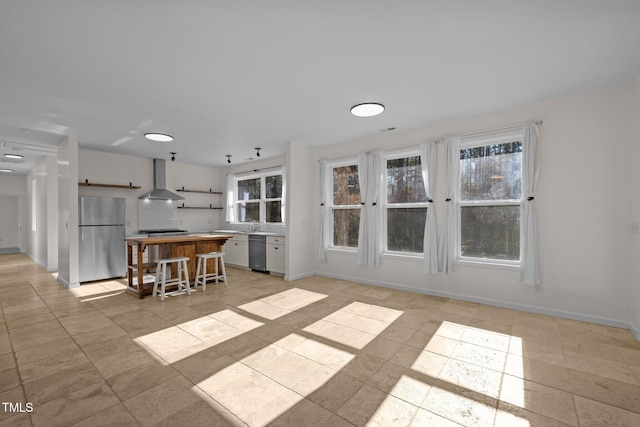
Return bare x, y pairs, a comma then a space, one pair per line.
522, 307
288, 278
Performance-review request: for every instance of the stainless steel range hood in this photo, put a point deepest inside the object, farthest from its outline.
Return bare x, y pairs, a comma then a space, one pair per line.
160, 191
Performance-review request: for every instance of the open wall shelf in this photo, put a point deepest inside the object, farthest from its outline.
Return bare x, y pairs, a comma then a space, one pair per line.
86, 183
210, 191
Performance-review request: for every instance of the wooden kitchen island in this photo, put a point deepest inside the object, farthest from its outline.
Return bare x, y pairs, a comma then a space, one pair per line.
167, 247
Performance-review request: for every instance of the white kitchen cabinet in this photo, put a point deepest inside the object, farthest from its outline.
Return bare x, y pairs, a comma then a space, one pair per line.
275, 254
237, 251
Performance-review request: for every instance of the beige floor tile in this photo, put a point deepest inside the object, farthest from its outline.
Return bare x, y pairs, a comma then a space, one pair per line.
362, 406
61, 382
13, 395
538, 398
473, 377
602, 367
29, 336
335, 392
481, 356
538, 371
74, 406
99, 335
402, 383
7, 361
9, 379
140, 379
460, 405
114, 416
513, 416
596, 414
425, 418
161, 401
606, 390
302, 413
318, 352
262, 398
50, 365
204, 412
16, 420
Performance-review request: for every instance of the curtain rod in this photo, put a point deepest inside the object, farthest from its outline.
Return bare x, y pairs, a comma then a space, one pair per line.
501, 129
440, 139
255, 170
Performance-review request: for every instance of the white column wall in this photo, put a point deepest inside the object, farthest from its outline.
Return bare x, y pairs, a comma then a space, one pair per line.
300, 205
68, 262
634, 253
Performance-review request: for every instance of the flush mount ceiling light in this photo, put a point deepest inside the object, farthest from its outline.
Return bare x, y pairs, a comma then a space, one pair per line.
14, 156
6, 170
367, 109
158, 137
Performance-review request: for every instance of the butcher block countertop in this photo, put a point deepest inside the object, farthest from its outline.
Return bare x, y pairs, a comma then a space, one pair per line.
159, 240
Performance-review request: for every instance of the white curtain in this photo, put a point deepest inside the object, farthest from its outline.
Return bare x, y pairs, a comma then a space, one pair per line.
530, 269
446, 250
428, 161
283, 204
324, 215
375, 226
363, 238
230, 214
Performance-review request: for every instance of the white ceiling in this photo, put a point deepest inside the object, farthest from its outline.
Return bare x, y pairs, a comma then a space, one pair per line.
226, 76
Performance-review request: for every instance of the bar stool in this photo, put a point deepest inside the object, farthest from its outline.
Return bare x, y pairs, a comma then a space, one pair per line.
181, 279
201, 279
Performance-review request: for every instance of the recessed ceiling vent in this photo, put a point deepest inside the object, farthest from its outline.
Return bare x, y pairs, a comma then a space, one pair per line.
160, 191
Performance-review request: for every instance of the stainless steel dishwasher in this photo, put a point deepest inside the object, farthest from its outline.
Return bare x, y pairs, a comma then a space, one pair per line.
258, 252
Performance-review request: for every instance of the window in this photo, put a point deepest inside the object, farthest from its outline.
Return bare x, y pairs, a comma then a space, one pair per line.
489, 199
406, 204
345, 204
258, 198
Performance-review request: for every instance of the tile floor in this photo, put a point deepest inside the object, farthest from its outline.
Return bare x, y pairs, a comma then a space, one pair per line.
316, 352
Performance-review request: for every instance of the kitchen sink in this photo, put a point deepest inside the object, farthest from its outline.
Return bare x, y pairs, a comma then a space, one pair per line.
262, 233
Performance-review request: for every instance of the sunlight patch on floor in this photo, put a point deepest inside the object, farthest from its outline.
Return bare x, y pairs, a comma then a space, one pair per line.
471, 376
282, 303
355, 325
93, 291
269, 382
186, 339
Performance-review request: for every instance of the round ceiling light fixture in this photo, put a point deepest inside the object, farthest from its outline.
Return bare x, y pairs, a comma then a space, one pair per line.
14, 156
6, 170
367, 109
158, 137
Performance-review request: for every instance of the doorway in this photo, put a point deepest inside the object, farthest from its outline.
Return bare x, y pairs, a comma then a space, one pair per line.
10, 224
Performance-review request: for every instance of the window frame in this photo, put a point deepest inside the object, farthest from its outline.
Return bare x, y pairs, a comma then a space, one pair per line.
352, 161
385, 206
262, 201
480, 141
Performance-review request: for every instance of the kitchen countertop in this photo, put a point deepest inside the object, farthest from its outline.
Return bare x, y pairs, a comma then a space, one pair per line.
259, 233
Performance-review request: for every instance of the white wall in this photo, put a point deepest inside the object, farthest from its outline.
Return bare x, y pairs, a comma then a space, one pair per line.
202, 178
582, 204
634, 253
108, 168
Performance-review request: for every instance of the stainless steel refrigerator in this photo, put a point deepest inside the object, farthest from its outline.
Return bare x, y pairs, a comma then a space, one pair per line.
102, 248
